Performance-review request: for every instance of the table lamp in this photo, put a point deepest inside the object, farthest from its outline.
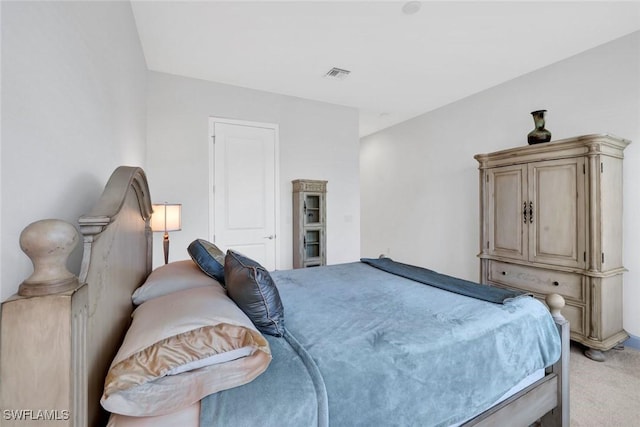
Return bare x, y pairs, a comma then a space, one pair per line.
166, 217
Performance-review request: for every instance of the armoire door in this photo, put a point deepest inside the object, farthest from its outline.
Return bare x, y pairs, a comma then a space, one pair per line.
507, 202
557, 227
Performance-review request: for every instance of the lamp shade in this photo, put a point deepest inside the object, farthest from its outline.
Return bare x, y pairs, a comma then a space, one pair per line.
166, 217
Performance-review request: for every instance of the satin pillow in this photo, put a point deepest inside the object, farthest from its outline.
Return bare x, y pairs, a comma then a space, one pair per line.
172, 277
181, 347
251, 287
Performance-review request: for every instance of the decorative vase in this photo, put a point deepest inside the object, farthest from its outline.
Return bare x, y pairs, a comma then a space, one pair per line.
539, 134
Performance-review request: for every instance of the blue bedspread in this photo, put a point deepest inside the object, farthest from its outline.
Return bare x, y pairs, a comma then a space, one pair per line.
442, 281
382, 350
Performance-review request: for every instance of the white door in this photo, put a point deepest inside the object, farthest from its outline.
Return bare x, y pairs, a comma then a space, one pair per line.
244, 186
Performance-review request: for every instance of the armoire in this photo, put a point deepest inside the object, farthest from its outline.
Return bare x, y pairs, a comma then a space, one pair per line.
551, 222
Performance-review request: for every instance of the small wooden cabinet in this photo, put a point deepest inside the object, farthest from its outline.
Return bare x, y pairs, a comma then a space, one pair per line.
551, 222
309, 223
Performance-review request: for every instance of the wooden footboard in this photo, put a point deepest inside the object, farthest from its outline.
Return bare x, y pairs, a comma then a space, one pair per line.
546, 401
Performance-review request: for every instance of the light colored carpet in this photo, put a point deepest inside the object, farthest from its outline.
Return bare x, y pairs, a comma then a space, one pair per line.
605, 394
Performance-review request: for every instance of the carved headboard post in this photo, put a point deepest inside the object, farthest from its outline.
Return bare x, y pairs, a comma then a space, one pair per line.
43, 334
59, 335
48, 243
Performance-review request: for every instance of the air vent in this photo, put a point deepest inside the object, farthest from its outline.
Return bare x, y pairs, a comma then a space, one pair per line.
337, 73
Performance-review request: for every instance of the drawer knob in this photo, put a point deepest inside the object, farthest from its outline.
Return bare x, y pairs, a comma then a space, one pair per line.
556, 283
504, 273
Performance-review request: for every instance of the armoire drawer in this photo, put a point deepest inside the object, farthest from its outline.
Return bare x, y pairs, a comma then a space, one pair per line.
537, 280
574, 313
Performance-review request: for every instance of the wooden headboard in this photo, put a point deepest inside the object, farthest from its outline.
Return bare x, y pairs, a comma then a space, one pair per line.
56, 348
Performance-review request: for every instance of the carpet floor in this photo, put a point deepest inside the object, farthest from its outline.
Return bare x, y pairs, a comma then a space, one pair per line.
605, 394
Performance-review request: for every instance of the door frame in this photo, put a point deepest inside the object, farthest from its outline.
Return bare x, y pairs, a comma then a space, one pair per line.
211, 191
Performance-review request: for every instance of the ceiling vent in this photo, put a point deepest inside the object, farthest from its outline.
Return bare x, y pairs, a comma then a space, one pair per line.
337, 73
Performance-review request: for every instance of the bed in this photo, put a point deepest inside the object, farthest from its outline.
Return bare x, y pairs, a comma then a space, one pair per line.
379, 309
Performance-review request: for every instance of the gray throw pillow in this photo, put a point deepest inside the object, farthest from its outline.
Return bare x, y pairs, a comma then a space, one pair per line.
251, 287
209, 258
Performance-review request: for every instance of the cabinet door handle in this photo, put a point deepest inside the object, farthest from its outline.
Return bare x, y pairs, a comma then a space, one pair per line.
524, 213
304, 242
531, 212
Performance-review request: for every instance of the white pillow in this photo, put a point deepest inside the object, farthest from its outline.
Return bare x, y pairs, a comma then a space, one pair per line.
172, 277
200, 330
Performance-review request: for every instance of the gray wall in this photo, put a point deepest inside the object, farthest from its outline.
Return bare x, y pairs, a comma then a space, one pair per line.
419, 181
73, 108
317, 141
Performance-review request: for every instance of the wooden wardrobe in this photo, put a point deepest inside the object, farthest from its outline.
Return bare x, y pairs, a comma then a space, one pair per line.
551, 221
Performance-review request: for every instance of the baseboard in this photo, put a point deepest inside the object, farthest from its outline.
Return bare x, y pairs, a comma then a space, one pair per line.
633, 342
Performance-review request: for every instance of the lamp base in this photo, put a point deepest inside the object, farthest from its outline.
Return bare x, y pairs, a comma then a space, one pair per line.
165, 247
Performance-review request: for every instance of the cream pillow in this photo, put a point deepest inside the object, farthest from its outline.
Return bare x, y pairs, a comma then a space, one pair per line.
172, 277
180, 348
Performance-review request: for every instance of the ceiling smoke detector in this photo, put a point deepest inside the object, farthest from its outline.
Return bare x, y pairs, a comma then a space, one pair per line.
337, 73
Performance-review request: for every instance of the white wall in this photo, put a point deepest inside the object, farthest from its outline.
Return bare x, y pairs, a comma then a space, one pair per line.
73, 108
419, 181
317, 141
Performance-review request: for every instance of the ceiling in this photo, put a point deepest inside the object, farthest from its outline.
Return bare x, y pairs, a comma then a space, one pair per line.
402, 65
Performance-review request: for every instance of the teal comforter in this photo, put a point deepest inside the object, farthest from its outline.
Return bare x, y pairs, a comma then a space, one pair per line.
368, 348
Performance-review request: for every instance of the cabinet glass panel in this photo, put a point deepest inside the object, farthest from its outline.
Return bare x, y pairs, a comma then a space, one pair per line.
312, 209
312, 243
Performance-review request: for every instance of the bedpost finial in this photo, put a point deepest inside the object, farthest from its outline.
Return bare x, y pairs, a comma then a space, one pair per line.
555, 303
48, 243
